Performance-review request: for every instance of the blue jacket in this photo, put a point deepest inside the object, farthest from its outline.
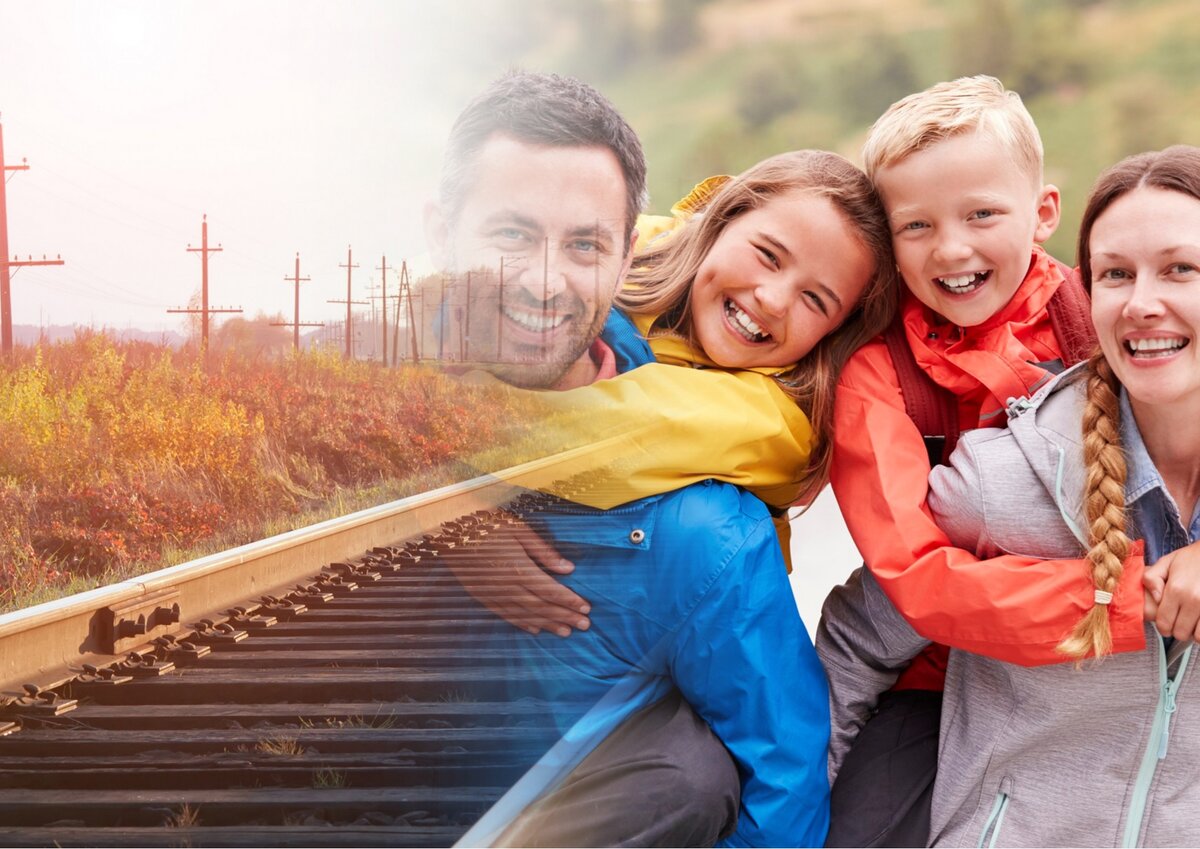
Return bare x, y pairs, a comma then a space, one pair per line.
689, 590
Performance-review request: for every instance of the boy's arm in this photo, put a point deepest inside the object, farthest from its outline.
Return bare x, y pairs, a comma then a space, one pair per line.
668, 426
1015, 609
864, 643
745, 664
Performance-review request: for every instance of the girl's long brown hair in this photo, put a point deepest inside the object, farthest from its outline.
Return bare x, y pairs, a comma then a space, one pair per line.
663, 276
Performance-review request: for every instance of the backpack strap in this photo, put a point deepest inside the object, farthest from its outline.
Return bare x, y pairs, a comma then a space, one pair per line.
934, 410
1070, 311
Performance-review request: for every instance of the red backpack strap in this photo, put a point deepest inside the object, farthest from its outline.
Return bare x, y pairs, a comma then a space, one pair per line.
1070, 312
933, 409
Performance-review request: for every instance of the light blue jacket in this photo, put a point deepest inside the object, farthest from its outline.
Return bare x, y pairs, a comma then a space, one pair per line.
689, 590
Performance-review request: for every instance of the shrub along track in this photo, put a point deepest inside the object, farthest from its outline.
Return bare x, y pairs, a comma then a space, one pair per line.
361, 706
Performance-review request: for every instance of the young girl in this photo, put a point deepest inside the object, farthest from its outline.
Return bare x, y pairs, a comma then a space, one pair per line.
762, 286
1090, 754
760, 294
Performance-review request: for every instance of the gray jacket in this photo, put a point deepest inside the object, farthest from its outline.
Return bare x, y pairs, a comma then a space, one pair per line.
1103, 755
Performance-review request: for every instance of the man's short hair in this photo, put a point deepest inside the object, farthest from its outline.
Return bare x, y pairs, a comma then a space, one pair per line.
542, 109
969, 104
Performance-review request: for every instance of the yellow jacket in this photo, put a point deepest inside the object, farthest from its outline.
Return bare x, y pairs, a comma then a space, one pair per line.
660, 427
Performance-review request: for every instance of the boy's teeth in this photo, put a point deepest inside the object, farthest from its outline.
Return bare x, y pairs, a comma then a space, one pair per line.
962, 282
748, 327
538, 322
1154, 346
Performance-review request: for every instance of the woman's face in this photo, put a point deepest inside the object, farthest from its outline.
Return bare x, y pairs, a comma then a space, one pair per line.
777, 280
1145, 264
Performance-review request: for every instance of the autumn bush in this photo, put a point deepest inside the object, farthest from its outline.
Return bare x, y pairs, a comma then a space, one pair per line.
113, 452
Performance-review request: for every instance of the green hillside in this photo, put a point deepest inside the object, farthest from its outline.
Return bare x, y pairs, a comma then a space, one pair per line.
714, 85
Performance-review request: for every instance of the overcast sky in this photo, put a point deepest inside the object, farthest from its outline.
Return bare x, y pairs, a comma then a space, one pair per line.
296, 126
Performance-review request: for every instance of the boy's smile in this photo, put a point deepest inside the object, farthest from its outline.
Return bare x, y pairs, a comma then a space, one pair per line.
964, 219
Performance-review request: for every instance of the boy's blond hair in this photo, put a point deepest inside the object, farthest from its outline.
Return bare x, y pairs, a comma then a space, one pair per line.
968, 104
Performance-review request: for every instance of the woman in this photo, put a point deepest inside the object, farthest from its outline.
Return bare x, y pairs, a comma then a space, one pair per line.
1102, 752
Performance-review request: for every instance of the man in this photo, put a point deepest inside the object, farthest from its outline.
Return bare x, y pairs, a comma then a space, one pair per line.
692, 624
538, 220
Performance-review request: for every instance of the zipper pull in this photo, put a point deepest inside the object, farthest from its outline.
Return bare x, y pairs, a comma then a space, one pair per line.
1016, 406
1169, 709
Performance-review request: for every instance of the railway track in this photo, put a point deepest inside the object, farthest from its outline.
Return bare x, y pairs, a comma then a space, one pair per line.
332, 686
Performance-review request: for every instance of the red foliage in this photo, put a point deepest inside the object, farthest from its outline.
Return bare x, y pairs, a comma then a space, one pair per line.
116, 450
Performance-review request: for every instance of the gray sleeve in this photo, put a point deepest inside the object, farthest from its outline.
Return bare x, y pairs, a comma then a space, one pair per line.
956, 495
864, 644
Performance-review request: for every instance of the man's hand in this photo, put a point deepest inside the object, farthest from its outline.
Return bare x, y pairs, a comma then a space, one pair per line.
1172, 599
508, 574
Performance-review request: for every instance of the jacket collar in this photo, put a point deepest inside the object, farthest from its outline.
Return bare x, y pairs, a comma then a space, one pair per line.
670, 347
989, 363
1140, 474
1048, 432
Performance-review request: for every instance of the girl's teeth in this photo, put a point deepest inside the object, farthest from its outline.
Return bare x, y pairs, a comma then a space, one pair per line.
744, 323
1155, 346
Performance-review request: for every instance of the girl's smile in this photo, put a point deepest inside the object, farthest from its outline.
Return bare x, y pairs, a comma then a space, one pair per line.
777, 280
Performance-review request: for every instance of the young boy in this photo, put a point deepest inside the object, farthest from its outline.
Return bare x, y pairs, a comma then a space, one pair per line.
959, 169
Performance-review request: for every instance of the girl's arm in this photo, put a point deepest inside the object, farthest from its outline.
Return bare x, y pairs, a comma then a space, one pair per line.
665, 426
1015, 609
659, 428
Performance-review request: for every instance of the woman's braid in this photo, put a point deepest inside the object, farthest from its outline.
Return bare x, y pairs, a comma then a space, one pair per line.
1104, 501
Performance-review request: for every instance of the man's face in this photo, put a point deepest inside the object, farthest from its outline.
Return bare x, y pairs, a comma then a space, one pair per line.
542, 231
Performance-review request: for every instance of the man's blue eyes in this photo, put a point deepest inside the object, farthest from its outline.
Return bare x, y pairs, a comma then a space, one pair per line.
511, 234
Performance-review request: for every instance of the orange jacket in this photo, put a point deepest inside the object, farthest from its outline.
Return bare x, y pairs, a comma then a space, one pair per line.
1011, 608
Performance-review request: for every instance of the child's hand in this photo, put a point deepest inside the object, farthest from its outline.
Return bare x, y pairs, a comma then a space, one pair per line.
1172, 599
507, 574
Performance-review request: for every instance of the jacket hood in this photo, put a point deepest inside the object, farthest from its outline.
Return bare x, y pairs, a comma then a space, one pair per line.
1047, 429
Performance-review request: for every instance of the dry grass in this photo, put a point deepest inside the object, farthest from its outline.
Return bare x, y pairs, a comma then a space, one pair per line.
329, 778
281, 745
185, 817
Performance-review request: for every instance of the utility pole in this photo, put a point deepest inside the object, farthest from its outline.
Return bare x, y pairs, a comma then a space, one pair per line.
205, 311
6, 266
500, 316
349, 266
406, 294
443, 325
405, 290
372, 288
465, 333
383, 311
296, 324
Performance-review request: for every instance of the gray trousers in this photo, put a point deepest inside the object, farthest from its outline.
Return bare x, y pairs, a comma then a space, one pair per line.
661, 779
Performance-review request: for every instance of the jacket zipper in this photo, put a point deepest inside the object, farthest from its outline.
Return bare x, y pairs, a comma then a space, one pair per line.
991, 828
1156, 747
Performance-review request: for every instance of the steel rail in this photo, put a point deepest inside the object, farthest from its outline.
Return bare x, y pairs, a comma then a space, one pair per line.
45, 645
